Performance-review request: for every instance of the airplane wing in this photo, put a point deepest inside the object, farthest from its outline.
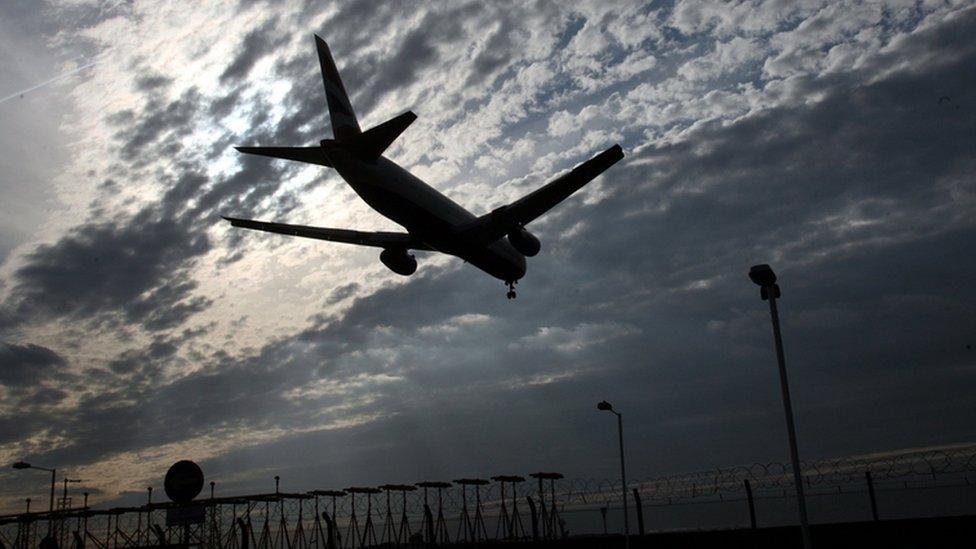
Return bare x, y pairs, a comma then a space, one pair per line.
501, 221
362, 238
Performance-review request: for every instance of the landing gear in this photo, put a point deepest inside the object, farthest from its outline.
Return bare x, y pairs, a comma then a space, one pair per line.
511, 289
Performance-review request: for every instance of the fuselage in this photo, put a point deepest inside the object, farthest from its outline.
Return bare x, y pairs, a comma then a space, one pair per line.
428, 215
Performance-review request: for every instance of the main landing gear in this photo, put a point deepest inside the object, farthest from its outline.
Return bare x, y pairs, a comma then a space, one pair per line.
511, 288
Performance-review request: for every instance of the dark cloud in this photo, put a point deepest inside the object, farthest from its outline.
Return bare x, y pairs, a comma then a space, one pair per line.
25, 365
160, 124
256, 45
223, 106
342, 292
137, 270
114, 273
496, 52
152, 82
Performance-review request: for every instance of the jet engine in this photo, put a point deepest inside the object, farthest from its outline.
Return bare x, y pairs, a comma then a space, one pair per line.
524, 241
399, 261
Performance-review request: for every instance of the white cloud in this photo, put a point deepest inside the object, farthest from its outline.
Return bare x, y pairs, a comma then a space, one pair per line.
576, 338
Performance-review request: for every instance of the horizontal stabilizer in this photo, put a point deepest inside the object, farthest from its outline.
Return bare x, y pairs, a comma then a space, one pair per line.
374, 141
309, 155
362, 238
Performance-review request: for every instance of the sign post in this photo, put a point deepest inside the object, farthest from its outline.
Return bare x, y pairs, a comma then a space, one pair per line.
183, 482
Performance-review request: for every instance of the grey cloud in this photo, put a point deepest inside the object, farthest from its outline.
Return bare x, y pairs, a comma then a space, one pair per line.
24, 365
138, 269
223, 106
415, 51
369, 78
48, 396
152, 82
495, 54
160, 122
256, 45
342, 292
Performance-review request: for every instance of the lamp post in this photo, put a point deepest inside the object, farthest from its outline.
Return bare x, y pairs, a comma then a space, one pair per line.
607, 407
50, 518
765, 278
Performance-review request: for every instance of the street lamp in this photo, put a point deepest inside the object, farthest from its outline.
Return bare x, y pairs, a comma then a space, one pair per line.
25, 465
607, 407
765, 278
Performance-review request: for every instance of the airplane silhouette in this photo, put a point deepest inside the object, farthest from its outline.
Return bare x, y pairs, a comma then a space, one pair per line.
497, 242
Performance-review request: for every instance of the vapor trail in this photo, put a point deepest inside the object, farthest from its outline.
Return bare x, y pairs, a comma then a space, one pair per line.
46, 82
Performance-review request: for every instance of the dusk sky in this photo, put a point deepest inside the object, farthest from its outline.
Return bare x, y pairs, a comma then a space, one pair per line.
834, 140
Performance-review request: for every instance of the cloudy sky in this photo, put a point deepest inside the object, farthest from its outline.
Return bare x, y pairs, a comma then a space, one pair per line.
833, 140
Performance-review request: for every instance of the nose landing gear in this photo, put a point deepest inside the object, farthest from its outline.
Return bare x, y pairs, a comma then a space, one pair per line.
511, 289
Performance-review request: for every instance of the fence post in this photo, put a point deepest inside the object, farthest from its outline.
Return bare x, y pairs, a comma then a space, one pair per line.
874, 504
752, 504
429, 518
535, 519
640, 512
160, 535
245, 539
329, 529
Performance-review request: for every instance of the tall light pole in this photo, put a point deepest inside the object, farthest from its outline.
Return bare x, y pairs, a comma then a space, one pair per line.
50, 519
607, 407
765, 278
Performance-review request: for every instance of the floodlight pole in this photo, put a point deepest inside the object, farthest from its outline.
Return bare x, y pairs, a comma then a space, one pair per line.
50, 520
623, 472
623, 478
763, 276
53, 482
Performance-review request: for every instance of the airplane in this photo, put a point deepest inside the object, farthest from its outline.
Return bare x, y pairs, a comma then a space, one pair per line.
497, 242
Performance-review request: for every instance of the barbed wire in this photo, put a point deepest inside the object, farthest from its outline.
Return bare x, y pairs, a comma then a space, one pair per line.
299, 514
778, 475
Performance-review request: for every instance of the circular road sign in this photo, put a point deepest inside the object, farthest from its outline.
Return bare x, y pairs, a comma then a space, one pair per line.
184, 480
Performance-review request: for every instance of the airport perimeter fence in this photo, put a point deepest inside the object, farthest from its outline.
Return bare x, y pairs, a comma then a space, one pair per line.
537, 506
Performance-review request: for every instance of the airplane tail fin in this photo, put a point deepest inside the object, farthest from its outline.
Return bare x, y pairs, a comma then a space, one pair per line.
368, 145
345, 126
